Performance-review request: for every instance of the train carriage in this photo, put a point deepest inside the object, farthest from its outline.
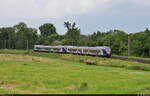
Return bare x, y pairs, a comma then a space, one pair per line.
95, 51
57, 49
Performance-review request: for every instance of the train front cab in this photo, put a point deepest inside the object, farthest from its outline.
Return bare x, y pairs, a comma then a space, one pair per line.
106, 52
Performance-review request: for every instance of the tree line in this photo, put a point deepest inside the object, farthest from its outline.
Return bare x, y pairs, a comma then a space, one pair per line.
20, 36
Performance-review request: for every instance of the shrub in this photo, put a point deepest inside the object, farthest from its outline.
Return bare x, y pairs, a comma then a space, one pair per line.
144, 68
90, 62
83, 86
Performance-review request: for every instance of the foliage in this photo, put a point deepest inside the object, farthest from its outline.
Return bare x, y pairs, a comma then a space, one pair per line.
140, 43
21, 37
47, 29
48, 34
16, 37
73, 34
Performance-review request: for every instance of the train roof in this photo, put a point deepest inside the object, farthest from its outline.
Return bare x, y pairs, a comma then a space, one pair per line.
97, 47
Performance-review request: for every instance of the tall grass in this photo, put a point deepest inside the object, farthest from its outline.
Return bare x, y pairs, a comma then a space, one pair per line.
100, 61
65, 73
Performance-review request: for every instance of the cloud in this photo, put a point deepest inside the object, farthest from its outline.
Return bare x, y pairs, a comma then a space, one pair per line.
138, 3
60, 8
48, 8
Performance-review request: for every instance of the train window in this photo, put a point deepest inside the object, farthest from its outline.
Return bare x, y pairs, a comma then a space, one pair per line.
69, 49
93, 51
72, 50
47, 48
38, 48
85, 50
80, 50
56, 49
107, 49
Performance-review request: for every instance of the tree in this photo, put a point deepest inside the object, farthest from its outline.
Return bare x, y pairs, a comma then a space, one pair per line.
47, 29
7, 35
95, 39
117, 40
73, 34
140, 44
24, 35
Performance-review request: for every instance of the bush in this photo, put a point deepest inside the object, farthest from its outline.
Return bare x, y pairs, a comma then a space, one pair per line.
83, 86
144, 68
90, 62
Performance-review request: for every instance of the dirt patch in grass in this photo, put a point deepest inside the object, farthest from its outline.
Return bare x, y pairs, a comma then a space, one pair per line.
11, 57
72, 88
5, 86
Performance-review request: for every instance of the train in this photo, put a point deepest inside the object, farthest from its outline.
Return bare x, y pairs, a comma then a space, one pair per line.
104, 51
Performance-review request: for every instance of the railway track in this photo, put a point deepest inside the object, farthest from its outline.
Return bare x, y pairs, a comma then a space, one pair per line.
132, 59
123, 58
126, 58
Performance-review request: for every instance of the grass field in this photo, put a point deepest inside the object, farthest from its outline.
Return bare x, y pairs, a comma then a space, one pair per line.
58, 73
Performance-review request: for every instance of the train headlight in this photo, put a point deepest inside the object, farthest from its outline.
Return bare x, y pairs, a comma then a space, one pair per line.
108, 52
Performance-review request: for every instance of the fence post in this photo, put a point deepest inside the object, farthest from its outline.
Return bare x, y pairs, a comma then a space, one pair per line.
5, 44
72, 42
27, 45
128, 45
9, 44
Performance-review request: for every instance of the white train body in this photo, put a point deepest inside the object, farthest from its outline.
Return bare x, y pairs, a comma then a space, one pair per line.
96, 51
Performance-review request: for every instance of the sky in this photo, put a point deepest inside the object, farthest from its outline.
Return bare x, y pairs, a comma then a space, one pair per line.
90, 15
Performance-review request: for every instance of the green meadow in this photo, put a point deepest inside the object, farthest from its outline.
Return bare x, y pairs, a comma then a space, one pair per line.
28, 72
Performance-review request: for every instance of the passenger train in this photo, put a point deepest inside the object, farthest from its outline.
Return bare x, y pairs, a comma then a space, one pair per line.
93, 51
